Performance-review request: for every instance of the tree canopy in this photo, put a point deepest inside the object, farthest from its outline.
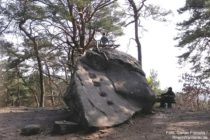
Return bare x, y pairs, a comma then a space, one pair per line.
40, 40
194, 35
54, 33
154, 82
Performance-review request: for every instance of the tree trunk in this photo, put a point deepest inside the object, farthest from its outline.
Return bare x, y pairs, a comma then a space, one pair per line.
18, 88
32, 91
136, 26
50, 84
41, 80
36, 98
36, 51
137, 40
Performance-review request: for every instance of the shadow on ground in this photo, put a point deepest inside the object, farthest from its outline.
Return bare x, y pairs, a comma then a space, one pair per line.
165, 124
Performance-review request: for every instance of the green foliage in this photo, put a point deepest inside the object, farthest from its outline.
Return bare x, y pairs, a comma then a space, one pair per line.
194, 36
109, 19
15, 90
53, 34
153, 82
20, 78
36, 22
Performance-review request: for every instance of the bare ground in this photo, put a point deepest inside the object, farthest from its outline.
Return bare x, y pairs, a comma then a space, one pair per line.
164, 124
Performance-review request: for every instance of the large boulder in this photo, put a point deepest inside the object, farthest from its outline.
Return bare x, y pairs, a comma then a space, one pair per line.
107, 88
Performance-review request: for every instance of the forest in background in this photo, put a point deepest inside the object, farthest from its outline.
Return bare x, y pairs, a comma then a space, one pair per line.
40, 41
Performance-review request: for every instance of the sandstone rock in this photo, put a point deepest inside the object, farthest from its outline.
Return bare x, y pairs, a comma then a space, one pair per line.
31, 129
107, 88
65, 127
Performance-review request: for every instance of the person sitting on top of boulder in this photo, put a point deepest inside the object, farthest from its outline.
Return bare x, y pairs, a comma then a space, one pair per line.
168, 97
104, 40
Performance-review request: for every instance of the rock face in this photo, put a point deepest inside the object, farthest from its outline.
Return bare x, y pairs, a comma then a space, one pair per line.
65, 127
31, 129
107, 88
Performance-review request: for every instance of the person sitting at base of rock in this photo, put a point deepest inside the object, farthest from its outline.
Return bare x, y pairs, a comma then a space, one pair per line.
104, 40
168, 97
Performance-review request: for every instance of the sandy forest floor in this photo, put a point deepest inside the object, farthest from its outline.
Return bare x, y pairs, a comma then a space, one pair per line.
164, 124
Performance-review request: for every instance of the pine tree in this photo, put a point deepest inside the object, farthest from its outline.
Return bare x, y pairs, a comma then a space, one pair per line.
54, 33
194, 35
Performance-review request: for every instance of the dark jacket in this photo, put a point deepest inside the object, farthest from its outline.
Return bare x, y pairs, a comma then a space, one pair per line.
169, 96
